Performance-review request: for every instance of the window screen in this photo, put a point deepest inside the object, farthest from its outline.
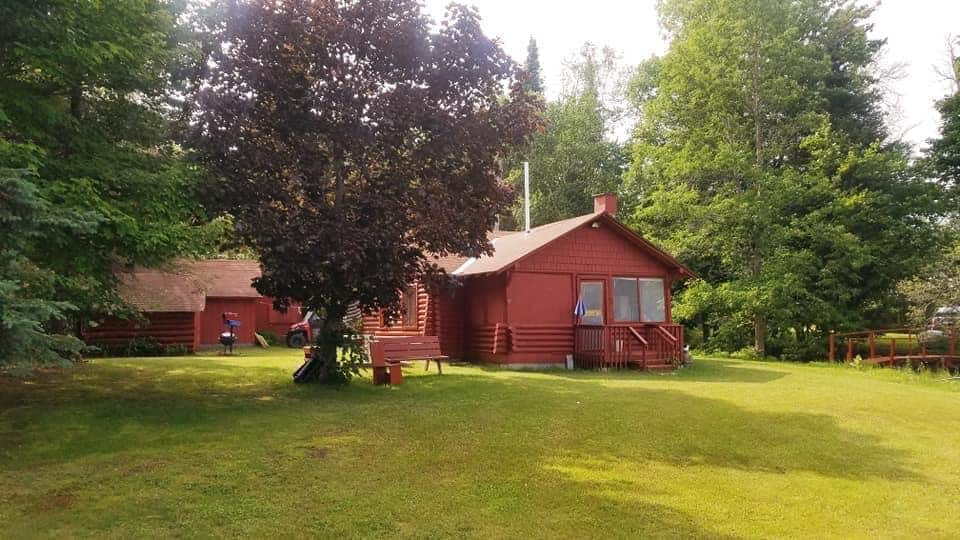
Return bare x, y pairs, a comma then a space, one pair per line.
625, 305
591, 292
652, 302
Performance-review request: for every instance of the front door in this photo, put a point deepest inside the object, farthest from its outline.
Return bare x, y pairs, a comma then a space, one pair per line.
591, 294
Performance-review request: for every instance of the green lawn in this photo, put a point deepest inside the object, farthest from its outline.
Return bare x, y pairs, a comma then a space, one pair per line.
214, 446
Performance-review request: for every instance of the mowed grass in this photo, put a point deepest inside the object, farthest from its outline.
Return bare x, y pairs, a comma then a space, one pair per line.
213, 446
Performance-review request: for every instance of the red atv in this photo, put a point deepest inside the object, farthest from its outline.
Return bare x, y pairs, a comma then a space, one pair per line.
301, 333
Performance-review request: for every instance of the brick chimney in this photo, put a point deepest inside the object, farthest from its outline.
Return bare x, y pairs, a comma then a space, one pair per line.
605, 202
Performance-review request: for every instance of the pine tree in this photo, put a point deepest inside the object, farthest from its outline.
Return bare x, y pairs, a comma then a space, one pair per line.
534, 81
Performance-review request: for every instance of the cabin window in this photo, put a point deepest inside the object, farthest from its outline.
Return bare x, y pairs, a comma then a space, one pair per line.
652, 301
626, 300
408, 318
638, 300
591, 293
408, 301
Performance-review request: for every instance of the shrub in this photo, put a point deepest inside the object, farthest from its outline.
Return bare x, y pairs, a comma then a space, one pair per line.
140, 346
144, 346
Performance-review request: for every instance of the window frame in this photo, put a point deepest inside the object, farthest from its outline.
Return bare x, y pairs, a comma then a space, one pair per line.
613, 291
410, 290
603, 299
639, 289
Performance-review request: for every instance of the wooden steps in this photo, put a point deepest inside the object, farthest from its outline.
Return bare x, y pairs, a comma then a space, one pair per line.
659, 367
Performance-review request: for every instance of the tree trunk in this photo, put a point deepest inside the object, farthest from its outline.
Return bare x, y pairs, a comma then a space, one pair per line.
760, 334
76, 100
756, 258
327, 341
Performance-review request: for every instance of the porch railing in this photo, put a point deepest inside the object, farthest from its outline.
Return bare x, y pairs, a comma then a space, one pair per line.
622, 345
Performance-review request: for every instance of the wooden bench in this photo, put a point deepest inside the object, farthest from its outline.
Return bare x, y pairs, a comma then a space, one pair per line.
387, 355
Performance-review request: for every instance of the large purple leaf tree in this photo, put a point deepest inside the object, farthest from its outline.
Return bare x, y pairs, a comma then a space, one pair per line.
352, 140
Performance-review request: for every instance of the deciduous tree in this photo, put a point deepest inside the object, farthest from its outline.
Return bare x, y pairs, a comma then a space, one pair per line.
762, 160
575, 156
352, 143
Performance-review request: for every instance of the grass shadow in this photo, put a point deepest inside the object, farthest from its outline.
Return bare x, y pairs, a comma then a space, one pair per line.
111, 409
702, 371
224, 447
624, 418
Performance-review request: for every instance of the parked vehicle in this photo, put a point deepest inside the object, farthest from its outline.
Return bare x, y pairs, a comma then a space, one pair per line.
301, 333
944, 318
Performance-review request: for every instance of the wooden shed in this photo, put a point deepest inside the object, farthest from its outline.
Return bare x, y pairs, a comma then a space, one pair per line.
587, 287
183, 304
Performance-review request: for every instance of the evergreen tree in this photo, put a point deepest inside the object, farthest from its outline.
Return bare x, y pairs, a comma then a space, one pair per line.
28, 302
534, 80
83, 108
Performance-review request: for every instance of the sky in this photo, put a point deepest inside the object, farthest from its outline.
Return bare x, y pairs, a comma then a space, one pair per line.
916, 31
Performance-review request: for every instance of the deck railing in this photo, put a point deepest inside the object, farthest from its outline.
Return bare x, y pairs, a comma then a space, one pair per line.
893, 344
623, 345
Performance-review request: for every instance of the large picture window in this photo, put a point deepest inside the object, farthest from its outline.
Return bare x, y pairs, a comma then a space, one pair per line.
638, 299
626, 300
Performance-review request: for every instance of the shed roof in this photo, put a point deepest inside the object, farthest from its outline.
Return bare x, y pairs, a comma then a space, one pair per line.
170, 290
227, 278
185, 285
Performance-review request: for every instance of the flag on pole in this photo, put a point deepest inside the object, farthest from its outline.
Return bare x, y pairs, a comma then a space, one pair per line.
579, 310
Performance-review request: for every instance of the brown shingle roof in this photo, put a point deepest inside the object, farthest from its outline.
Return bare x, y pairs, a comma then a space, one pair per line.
227, 279
511, 248
184, 285
451, 263
174, 289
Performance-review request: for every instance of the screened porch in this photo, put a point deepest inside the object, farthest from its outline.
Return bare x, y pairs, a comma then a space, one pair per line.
625, 321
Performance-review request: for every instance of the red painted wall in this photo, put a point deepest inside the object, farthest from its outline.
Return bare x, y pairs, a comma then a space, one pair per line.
594, 251
255, 314
167, 328
201, 328
535, 300
274, 321
449, 320
211, 321
485, 318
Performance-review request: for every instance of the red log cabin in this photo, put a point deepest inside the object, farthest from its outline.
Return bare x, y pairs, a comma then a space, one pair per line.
184, 305
587, 287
